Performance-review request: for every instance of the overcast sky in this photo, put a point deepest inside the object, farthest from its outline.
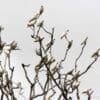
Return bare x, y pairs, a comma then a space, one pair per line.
81, 17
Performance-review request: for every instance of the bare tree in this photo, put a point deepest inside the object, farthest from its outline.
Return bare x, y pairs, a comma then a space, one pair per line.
56, 82
68, 83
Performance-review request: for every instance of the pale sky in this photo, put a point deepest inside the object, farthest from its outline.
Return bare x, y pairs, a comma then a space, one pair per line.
81, 17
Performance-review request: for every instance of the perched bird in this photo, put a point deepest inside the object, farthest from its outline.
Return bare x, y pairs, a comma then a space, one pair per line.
34, 18
84, 42
41, 10
95, 54
70, 44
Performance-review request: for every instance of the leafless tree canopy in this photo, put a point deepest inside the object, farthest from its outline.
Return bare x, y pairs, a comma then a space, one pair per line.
55, 82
